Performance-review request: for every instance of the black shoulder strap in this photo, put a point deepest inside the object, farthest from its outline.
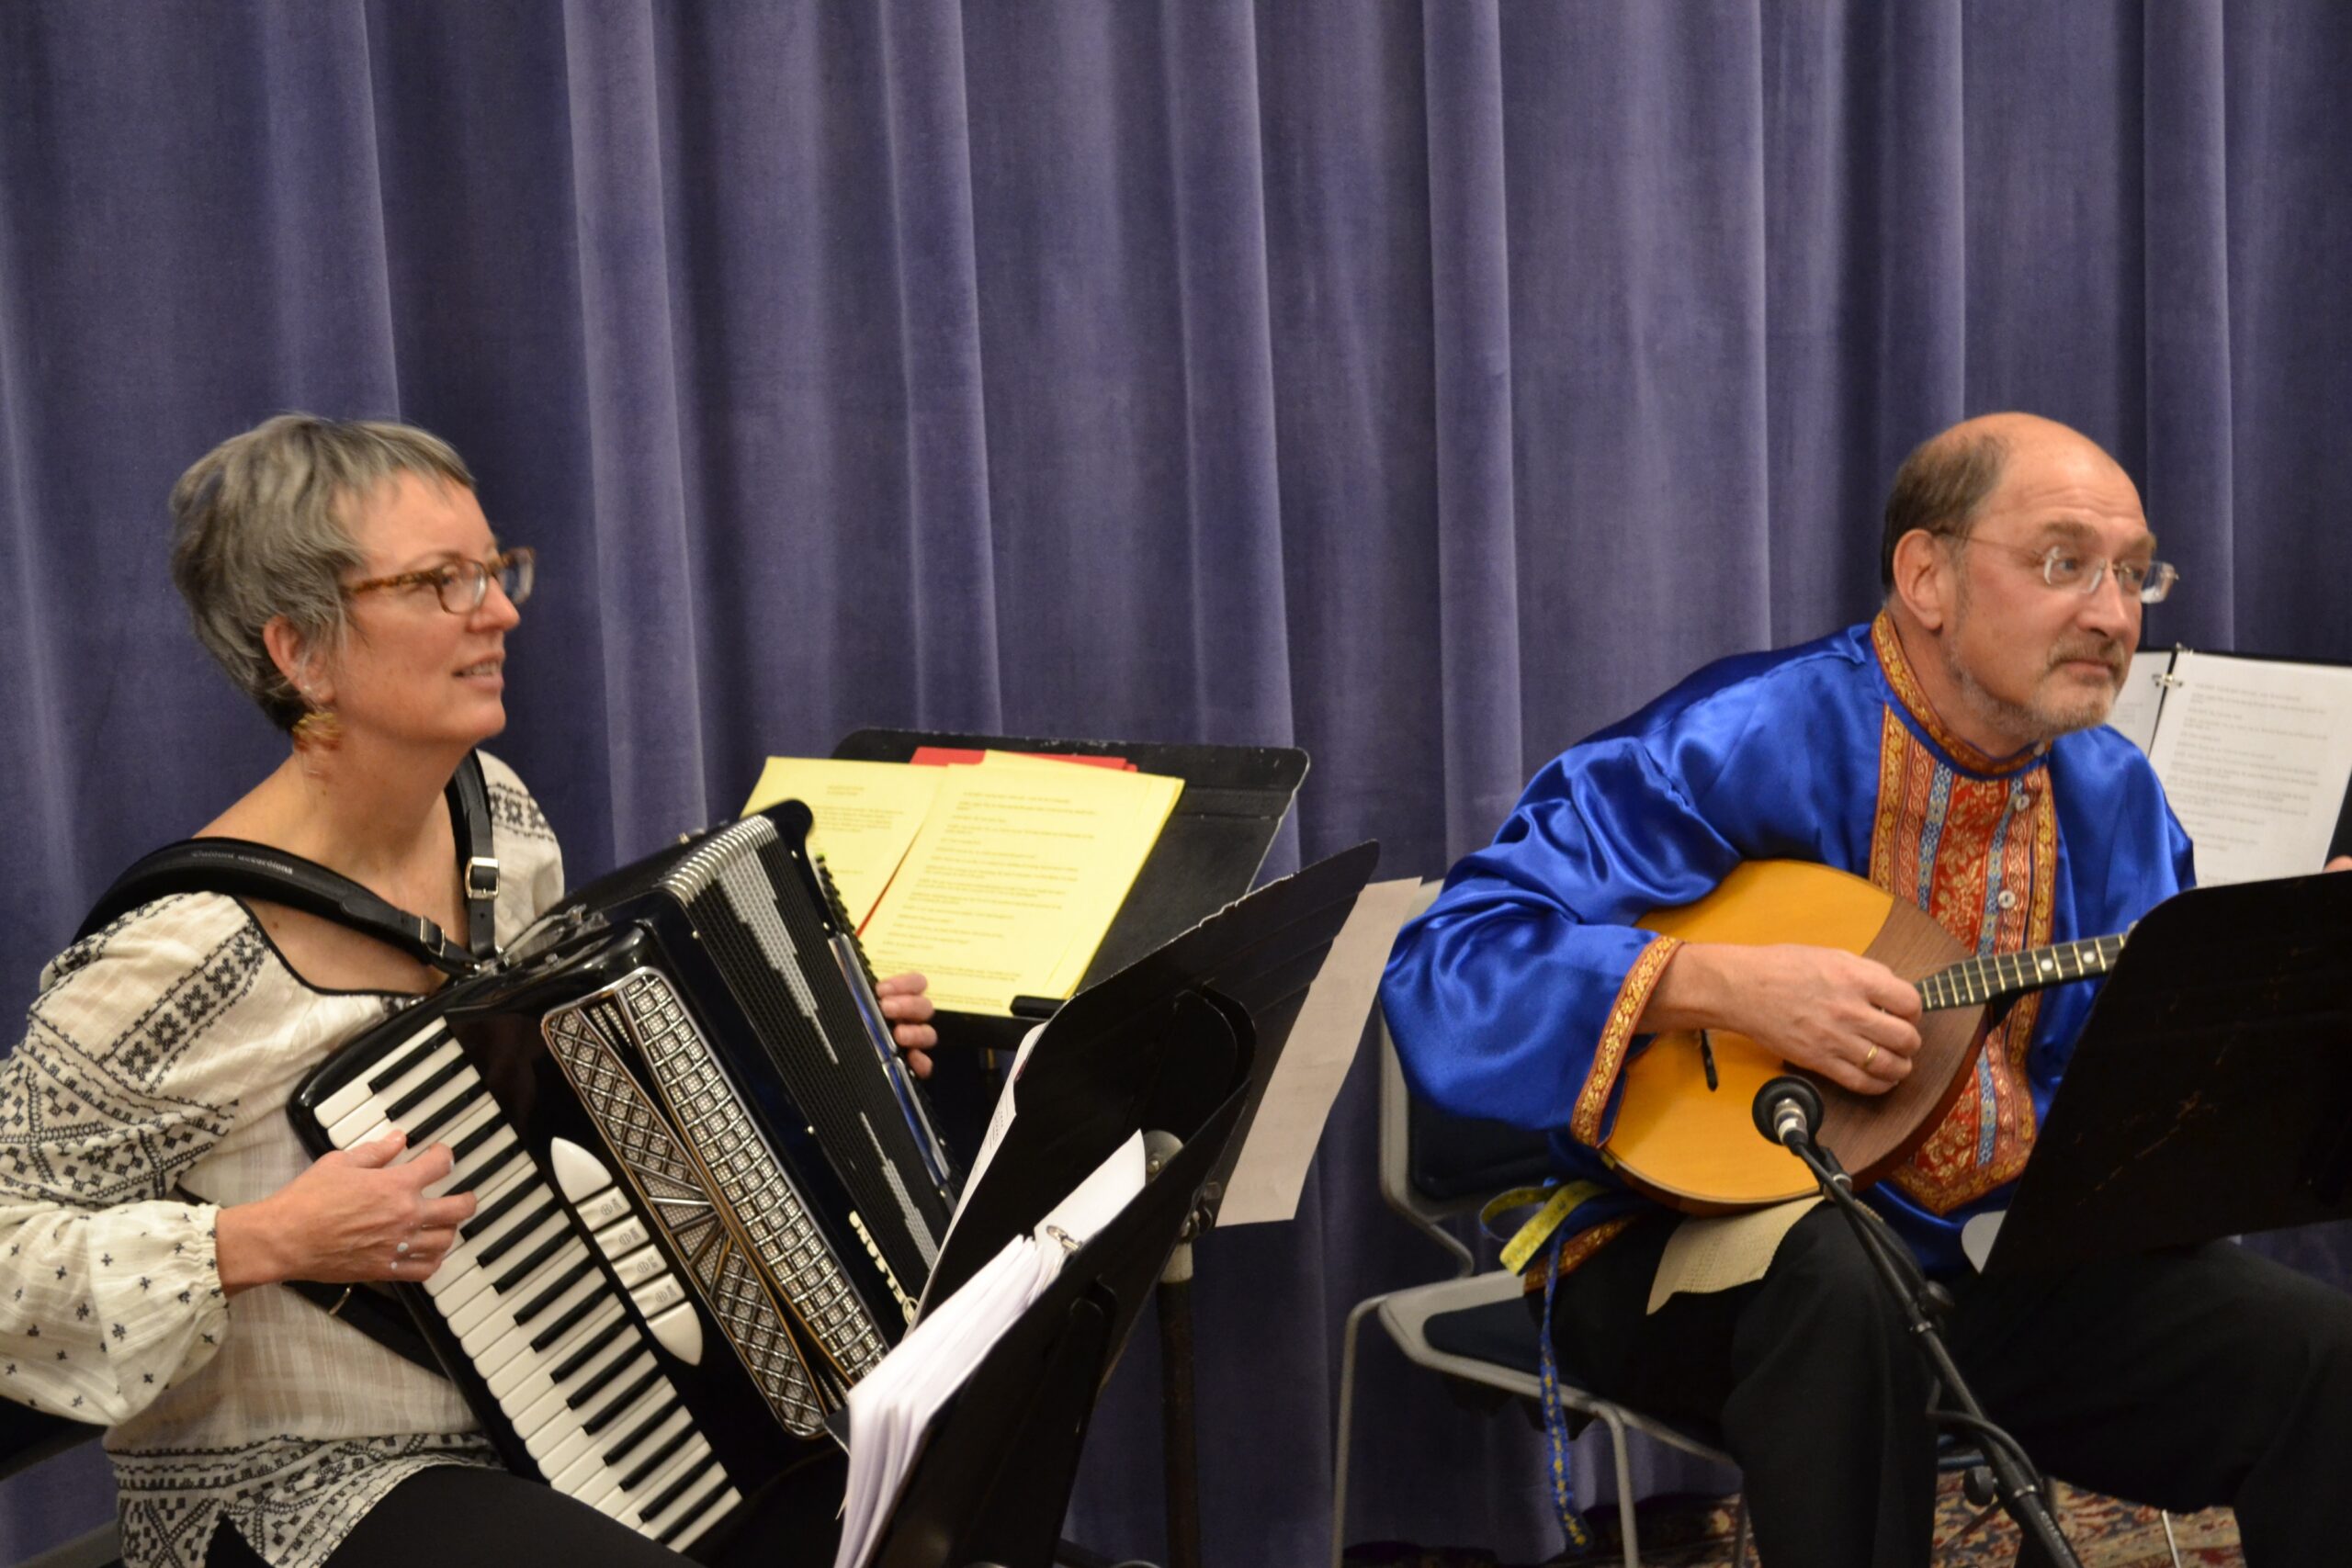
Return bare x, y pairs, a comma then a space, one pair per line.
244, 869
476, 853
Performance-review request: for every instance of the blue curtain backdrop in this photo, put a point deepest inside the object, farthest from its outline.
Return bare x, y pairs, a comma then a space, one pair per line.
1423, 384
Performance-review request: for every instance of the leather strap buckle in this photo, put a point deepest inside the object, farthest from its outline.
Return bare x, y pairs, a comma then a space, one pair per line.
481, 877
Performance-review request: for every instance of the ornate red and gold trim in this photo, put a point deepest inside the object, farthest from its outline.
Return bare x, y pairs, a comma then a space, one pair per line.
1617, 1036
1888, 645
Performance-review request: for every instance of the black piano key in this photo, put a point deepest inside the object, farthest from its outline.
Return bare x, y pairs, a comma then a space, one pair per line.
532, 1220
457, 1106
620, 1403
426, 1090
484, 1219
651, 1465
531, 1309
383, 1078
474, 1179
505, 1284
619, 1365
476, 1139
664, 1409
675, 1489
596, 1346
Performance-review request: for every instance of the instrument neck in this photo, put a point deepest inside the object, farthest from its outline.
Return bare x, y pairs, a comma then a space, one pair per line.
1975, 981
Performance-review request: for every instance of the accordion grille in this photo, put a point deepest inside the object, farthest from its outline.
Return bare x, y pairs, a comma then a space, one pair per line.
731, 1214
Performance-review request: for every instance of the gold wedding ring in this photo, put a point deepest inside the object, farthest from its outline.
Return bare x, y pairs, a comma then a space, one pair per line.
1868, 1057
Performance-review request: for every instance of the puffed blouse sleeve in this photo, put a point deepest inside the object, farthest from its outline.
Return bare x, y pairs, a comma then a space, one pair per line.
109, 1290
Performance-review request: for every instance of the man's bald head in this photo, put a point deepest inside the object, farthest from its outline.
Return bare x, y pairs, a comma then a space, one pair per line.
1948, 477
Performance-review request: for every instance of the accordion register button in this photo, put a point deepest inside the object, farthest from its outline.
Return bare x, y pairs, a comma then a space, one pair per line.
679, 1330
604, 1209
578, 1172
641, 1266
623, 1237
658, 1295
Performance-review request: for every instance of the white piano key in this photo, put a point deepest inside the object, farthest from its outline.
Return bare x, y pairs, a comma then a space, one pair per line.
516, 1341
353, 1126
528, 1374
490, 1314
467, 1277
711, 1504
343, 1101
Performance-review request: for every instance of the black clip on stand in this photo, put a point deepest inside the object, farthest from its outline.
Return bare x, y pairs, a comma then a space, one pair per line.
1787, 1110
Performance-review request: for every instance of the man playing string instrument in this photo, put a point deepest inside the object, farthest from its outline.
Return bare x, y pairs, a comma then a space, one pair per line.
1952, 751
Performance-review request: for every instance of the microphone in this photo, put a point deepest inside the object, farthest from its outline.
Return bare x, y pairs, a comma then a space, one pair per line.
1787, 1110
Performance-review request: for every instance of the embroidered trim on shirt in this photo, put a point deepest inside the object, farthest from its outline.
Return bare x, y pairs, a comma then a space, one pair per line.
1609, 1057
1954, 845
1913, 698
292, 1499
1577, 1253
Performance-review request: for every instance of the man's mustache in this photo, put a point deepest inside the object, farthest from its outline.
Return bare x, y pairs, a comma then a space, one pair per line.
2100, 650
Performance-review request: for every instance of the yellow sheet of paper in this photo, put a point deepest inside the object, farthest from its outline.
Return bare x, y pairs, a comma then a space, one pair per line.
1013, 880
867, 814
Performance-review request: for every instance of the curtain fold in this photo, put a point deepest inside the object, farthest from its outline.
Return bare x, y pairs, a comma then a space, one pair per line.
1423, 384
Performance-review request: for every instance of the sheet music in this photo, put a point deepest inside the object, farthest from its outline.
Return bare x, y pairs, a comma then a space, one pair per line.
2142, 696
2255, 756
1273, 1166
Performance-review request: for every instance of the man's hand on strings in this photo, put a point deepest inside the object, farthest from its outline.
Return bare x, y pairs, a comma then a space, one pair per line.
908, 1011
1848, 1018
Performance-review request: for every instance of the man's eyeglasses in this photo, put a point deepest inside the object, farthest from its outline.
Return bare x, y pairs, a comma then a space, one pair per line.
2063, 566
462, 585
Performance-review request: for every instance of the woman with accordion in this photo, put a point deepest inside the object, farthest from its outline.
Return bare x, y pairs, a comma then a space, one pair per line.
153, 1198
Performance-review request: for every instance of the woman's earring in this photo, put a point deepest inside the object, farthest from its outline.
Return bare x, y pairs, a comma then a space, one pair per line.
317, 729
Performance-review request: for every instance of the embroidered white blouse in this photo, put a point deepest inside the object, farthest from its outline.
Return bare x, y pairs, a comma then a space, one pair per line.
157, 1057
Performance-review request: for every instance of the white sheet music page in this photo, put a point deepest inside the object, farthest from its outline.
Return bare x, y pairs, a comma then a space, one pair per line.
2142, 696
2255, 756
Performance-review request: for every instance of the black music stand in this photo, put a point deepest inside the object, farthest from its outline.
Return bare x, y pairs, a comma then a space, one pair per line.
2210, 1090
994, 1479
1183, 1042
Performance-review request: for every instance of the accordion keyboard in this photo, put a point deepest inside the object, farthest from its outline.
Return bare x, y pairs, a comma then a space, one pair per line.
571, 1364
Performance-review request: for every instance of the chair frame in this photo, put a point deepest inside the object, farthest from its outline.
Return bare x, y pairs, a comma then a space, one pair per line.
1405, 1315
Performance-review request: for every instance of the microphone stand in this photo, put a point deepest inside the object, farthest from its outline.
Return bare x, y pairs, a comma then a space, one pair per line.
1787, 1110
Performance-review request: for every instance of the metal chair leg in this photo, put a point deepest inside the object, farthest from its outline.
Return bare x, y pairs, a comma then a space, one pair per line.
1339, 1447
1626, 1528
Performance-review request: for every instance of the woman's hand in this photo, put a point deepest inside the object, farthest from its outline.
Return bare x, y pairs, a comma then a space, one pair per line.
353, 1217
908, 1010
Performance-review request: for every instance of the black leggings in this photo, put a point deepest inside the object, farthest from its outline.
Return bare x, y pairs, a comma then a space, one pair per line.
465, 1517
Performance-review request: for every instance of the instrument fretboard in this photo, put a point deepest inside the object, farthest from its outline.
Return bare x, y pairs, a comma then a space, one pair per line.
1974, 981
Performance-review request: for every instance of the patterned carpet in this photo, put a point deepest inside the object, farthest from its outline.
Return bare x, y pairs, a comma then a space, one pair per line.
1696, 1533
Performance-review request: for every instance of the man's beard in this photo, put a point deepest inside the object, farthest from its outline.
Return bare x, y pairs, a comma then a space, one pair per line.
2046, 714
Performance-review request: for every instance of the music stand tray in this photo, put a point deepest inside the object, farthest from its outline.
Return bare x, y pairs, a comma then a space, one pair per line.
2210, 1090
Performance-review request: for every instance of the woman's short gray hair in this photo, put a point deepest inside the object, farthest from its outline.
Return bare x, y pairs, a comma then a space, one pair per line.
261, 527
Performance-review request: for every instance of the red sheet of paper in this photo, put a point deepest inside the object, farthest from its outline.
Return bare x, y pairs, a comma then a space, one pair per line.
955, 756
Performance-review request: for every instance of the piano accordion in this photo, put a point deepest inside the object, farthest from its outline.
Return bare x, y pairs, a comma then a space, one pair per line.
709, 1194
